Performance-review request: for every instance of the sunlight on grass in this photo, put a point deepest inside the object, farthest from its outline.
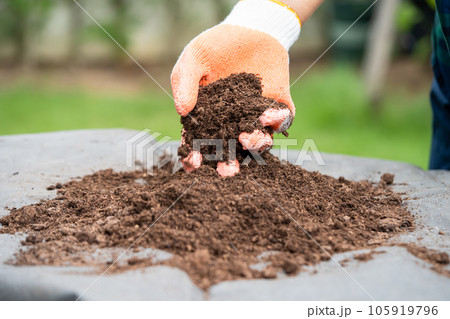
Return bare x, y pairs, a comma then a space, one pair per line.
331, 108
26, 109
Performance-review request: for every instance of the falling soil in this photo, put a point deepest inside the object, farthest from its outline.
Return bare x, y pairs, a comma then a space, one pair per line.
268, 219
225, 109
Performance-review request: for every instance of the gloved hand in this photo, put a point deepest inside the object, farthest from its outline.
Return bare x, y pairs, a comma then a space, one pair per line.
254, 38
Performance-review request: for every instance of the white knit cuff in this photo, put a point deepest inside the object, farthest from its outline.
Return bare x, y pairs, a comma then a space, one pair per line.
271, 17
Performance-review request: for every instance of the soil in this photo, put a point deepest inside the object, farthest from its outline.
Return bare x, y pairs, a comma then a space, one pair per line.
367, 256
438, 259
225, 109
387, 178
216, 228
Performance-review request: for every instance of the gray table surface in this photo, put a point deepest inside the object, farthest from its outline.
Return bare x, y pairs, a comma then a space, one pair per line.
30, 163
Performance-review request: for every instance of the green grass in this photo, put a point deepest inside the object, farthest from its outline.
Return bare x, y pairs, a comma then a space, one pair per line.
331, 108
29, 109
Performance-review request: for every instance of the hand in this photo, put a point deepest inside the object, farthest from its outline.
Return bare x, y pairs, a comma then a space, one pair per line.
254, 38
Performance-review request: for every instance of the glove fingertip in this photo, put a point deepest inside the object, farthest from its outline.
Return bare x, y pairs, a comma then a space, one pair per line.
290, 104
192, 161
228, 169
183, 108
255, 141
283, 126
185, 91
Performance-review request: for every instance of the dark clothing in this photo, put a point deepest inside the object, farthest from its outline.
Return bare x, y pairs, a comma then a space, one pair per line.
440, 91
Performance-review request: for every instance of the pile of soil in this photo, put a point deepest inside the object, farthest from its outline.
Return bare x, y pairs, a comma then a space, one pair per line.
276, 215
225, 109
216, 228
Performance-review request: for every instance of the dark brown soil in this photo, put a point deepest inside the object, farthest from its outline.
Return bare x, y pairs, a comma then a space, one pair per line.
387, 178
216, 227
438, 259
225, 109
367, 256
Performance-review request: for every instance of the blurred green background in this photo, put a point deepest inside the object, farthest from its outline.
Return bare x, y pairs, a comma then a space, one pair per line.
59, 71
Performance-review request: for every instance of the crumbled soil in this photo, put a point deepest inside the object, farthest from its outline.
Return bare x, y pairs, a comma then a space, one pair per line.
367, 256
438, 259
387, 178
225, 109
216, 228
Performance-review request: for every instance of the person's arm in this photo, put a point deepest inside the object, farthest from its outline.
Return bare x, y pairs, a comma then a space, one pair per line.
303, 8
257, 34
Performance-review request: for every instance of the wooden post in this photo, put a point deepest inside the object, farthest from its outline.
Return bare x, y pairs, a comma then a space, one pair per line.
379, 48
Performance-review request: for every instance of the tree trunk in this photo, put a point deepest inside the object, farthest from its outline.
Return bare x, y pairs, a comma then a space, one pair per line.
19, 34
119, 32
379, 49
176, 25
75, 27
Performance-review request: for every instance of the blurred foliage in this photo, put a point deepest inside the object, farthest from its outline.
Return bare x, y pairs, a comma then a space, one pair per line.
338, 117
407, 16
21, 20
331, 108
18, 18
414, 22
118, 26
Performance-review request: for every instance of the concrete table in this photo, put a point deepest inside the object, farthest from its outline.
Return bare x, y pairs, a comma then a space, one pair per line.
30, 163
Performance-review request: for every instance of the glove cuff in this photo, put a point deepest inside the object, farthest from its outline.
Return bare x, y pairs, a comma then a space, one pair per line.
269, 16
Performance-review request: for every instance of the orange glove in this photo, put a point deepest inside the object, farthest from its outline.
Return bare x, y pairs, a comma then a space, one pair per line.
254, 38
